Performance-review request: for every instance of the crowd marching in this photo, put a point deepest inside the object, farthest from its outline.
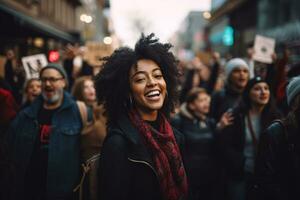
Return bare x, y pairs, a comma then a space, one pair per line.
149, 126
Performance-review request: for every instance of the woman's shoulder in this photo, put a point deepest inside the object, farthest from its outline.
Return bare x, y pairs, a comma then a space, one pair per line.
115, 136
275, 132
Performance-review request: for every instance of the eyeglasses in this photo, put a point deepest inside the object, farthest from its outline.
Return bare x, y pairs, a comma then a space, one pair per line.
50, 79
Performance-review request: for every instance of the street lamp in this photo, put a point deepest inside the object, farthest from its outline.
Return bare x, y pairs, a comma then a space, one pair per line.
107, 40
86, 18
206, 15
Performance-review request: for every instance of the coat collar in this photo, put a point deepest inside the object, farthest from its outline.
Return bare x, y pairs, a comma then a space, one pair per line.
33, 109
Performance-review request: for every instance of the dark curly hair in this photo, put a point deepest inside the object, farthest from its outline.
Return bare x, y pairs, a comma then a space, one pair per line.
112, 82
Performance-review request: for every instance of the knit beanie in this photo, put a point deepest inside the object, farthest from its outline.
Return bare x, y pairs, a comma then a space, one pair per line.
293, 89
249, 86
233, 64
57, 67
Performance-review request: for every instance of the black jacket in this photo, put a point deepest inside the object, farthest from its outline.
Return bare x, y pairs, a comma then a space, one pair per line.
278, 163
223, 100
201, 154
232, 142
126, 167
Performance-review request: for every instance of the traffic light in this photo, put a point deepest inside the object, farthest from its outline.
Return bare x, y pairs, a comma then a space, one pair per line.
53, 56
228, 36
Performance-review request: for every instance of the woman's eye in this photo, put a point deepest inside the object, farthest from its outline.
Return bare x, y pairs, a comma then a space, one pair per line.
139, 80
158, 76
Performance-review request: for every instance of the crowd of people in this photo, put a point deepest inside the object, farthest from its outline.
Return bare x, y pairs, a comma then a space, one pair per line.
148, 126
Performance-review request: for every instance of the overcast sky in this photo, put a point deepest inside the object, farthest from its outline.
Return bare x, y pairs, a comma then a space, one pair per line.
163, 17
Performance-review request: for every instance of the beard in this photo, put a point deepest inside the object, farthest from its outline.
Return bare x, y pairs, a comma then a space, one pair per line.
55, 98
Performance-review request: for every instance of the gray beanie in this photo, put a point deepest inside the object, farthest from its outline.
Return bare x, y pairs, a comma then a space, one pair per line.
293, 89
57, 67
233, 64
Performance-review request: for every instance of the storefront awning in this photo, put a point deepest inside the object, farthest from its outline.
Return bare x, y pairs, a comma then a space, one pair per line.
38, 26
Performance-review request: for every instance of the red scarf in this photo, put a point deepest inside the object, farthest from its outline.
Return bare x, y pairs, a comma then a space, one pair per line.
165, 154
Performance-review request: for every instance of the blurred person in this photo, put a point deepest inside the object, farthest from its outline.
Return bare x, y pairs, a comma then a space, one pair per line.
237, 76
93, 135
141, 156
219, 84
68, 64
8, 107
8, 111
202, 162
85, 69
31, 91
44, 141
201, 76
239, 141
14, 75
278, 166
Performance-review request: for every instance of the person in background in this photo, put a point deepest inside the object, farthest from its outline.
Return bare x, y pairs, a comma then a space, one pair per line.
8, 111
69, 65
93, 136
31, 91
14, 75
141, 155
8, 107
277, 168
44, 143
237, 76
239, 141
202, 160
201, 76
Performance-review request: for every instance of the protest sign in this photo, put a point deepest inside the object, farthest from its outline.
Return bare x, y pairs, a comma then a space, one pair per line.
33, 64
264, 47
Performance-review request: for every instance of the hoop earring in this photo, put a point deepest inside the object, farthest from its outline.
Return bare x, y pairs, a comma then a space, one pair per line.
130, 101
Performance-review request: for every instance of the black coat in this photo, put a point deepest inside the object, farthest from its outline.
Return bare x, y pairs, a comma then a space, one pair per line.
126, 167
223, 100
233, 138
232, 142
201, 153
202, 162
278, 163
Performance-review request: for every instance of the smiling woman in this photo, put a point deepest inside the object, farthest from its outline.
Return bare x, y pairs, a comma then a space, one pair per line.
141, 157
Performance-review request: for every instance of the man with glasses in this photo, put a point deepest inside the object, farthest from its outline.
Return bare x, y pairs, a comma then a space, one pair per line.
44, 141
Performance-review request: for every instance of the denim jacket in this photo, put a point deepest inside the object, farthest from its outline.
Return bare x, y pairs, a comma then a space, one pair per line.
63, 153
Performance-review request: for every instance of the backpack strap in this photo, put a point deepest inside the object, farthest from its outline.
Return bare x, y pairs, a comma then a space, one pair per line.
83, 113
86, 166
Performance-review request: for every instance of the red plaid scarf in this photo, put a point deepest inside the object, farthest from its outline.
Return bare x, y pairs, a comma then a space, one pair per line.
165, 154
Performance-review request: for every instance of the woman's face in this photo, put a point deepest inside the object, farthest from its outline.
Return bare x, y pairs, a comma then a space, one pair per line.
33, 90
148, 86
260, 94
89, 91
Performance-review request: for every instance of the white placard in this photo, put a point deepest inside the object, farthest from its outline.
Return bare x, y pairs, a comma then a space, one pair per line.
33, 64
264, 47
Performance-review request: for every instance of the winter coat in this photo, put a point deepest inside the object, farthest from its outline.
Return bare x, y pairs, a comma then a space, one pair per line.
223, 100
126, 167
232, 143
278, 163
63, 150
201, 156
